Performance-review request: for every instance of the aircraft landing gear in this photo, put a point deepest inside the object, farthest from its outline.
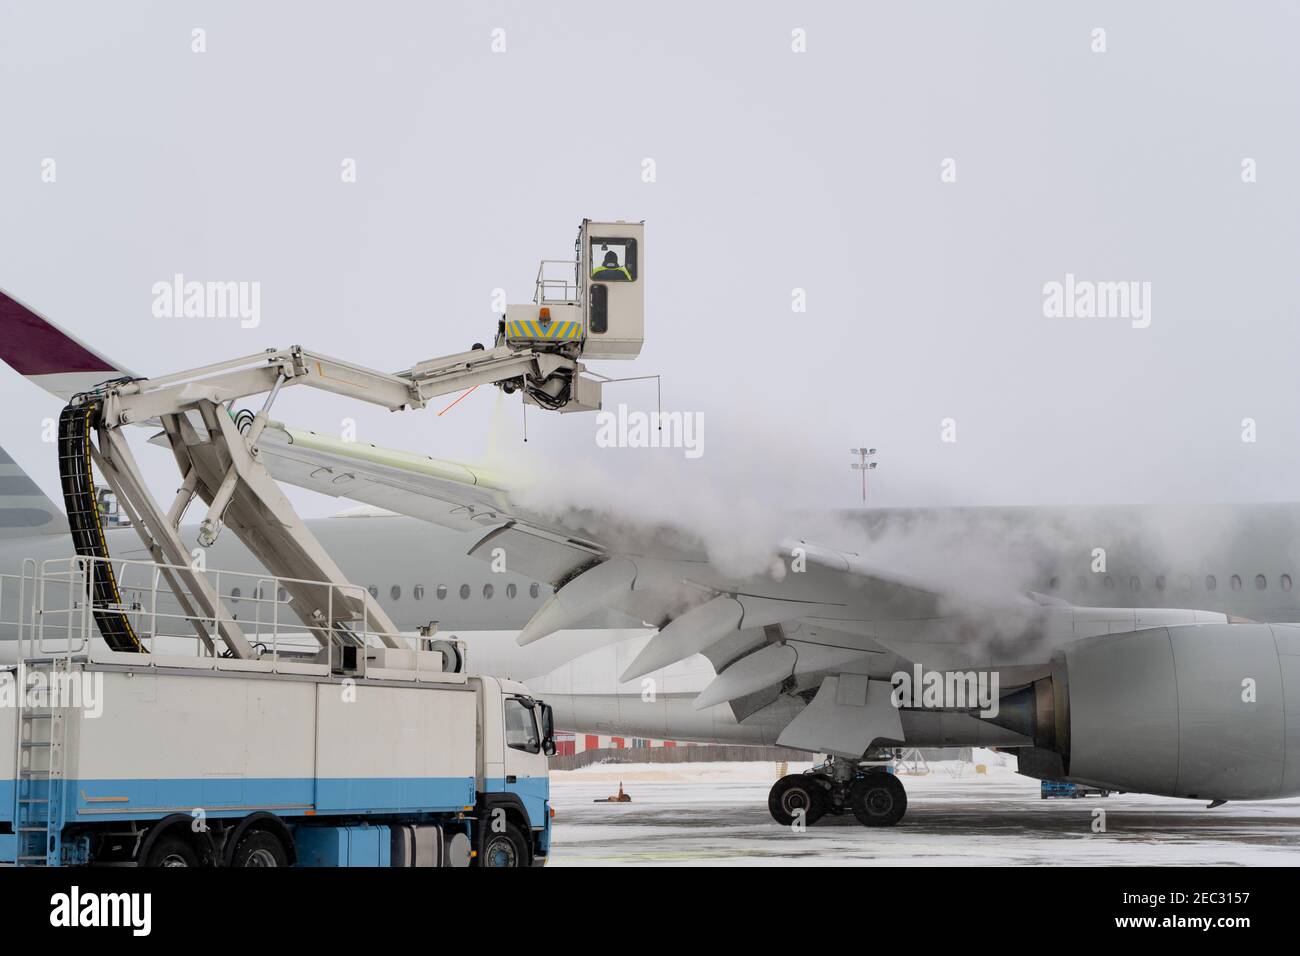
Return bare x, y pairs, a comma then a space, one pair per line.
798, 793
878, 799
872, 794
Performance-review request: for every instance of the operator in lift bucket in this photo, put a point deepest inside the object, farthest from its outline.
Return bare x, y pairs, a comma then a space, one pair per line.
610, 269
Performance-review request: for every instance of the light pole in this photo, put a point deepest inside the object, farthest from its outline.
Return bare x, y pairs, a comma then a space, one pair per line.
863, 466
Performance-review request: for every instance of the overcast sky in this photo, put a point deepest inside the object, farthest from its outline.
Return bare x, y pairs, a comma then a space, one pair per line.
775, 170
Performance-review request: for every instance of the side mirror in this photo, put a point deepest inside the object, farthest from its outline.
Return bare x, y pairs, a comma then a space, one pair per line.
548, 730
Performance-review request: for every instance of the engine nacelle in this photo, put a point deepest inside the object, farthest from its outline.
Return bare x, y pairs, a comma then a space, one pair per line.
1204, 711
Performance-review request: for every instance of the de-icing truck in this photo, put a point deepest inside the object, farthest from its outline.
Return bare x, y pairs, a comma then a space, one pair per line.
190, 760
361, 749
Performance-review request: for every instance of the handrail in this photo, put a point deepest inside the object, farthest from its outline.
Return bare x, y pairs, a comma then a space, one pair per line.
571, 288
55, 620
73, 575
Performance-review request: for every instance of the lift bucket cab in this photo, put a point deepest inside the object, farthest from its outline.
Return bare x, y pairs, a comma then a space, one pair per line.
592, 307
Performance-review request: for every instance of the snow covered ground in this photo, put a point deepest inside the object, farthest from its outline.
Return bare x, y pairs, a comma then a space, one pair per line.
716, 814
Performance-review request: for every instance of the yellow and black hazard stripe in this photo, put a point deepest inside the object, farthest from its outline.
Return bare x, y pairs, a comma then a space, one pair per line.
86, 524
550, 332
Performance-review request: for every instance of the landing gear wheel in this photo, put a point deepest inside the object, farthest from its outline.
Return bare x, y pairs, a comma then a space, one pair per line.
260, 848
795, 793
504, 849
878, 800
171, 851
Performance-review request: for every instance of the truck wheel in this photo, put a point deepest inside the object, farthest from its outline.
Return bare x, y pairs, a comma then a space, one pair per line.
506, 848
795, 792
878, 800
171, 851
260, 848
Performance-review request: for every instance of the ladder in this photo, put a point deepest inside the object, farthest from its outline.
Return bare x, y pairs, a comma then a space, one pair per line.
39, 770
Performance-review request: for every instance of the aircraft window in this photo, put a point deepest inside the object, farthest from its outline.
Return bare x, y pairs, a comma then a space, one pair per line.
1286, 582
613, 260
1135, 583
1053, 584
1160, 582
1235, 582
1109, 582
487, 590
417, 592
281, 595
234, 595
532, 590
442, 591
1211, 582
464, 591
395, 592
511, 590
1261, 582
374, 591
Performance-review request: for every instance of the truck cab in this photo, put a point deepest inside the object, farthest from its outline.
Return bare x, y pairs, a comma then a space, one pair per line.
518, 736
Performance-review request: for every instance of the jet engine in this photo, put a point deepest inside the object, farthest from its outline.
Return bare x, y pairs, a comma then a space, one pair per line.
1203, 711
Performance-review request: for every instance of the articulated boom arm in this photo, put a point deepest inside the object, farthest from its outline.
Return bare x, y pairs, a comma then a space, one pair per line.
220, 465
597, 311
225, 382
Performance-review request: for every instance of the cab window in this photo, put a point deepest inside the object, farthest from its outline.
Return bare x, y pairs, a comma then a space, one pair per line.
613, 260
521, 727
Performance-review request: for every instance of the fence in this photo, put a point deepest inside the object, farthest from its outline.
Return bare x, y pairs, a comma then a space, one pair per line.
707, 753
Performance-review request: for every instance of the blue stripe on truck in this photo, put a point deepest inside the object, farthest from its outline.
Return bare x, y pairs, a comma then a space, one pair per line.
533, 791
120, 799
289, 796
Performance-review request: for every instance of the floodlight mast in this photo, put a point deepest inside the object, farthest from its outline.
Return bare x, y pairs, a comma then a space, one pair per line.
536, 351
863, 465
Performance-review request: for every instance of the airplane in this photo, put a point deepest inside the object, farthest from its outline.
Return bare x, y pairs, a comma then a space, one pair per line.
1142, 649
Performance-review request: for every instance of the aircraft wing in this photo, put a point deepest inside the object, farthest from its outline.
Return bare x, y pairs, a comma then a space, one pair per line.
446, 493
814, 613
